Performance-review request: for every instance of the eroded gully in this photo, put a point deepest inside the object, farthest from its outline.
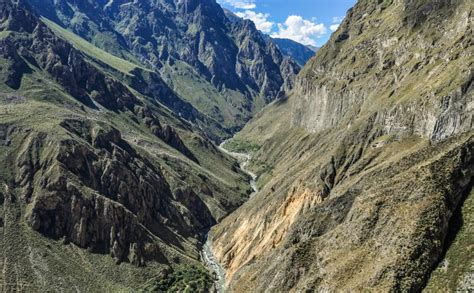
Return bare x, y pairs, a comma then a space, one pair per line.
207, 255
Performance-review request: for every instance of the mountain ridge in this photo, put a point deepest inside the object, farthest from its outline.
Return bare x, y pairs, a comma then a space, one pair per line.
98, 169
299, 52
237, 70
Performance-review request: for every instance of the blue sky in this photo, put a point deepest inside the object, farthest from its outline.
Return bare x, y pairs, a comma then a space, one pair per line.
310, 22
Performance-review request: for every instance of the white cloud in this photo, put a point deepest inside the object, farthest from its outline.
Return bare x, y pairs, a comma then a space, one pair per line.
300, 30
334, 27
240, 4
337, 19
260, 19
336, 22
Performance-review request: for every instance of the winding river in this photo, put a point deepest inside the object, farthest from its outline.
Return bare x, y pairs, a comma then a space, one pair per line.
244, 160
207, 255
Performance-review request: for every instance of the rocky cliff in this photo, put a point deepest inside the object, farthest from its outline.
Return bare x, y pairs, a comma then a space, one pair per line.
360, 193
110, 180
415, 76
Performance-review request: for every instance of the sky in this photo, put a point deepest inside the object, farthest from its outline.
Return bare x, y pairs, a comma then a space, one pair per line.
309, 22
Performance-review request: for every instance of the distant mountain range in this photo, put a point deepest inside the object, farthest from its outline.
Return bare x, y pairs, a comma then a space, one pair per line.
299, 52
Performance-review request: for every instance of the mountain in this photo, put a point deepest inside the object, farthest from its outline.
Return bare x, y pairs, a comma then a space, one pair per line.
314, 48
109, 177
298, 52
366, 170
215, 61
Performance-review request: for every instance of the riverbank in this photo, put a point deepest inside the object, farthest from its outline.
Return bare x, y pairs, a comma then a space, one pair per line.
211, 262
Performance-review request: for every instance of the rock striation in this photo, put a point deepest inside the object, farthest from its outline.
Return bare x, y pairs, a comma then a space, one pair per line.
392, 65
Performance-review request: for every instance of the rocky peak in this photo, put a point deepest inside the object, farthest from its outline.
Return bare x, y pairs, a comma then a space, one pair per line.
171, 36
298, 52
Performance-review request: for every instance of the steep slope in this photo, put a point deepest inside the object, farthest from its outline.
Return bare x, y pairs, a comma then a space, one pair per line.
456, 268
95, 171
299, 52
358, 194
219, 63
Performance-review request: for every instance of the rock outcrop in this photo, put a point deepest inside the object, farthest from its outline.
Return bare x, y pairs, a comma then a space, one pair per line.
99, 193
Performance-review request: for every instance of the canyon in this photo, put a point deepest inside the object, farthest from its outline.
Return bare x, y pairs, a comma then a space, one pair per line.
170, 146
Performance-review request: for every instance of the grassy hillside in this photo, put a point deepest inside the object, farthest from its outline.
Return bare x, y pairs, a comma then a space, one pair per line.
99, 55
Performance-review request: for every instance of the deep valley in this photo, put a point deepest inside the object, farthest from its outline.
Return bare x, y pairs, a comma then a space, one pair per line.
171, 146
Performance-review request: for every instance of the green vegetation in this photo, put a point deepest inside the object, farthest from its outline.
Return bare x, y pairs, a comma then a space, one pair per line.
229, 107
241, 146
459, 259
91, 50
4, 34
184, 279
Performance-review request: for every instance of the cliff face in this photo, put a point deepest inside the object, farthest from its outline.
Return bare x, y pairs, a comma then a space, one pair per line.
401, 63
218, 62
108, 109
359, 192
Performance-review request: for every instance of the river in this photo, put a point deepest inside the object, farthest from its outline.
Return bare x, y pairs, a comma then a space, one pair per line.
207, 255
244, 160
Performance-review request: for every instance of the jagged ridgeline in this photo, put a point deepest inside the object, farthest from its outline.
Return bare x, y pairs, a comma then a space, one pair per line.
371, 187
219, 63
108, 113
299, 52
